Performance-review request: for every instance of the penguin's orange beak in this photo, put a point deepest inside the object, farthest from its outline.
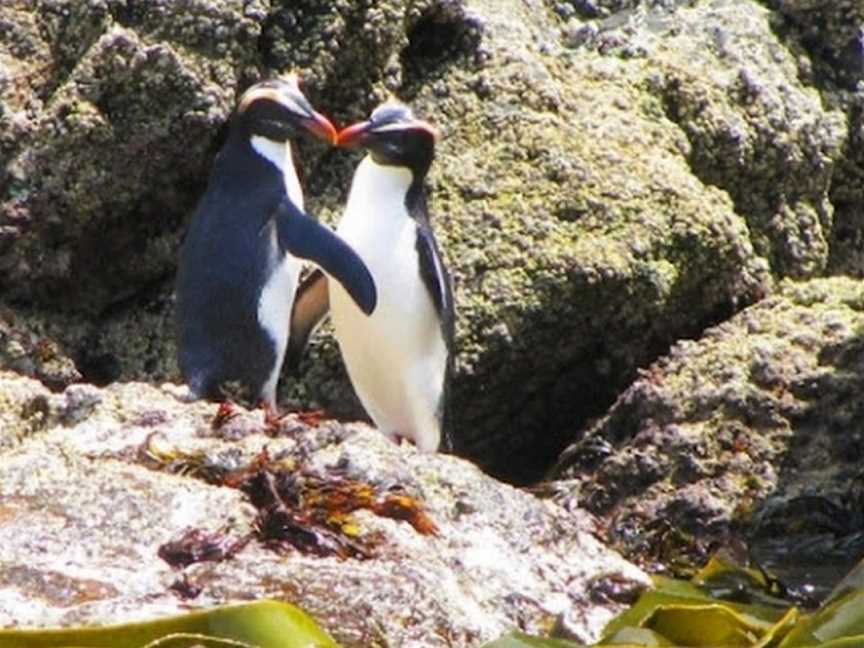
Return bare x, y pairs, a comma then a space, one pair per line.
353, 135
321, 127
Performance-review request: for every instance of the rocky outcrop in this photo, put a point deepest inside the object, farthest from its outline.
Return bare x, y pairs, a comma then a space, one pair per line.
610, 180
615, 178
109, 115
830, 42
832, 33
95, 481
750, 432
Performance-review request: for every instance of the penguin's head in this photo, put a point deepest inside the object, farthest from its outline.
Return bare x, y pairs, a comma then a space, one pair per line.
278, 110
394, 136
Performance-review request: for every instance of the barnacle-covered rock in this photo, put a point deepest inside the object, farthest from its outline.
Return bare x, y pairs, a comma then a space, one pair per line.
612, 177
751, 431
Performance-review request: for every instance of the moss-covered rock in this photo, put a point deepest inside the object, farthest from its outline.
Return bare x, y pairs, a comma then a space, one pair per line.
831, 32
106, 140
605, 185
24, 408
827, 39
753, 430
580, 240
756, 130
847, 194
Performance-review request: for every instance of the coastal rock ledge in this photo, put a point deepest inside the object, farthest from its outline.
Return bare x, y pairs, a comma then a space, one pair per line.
94, 481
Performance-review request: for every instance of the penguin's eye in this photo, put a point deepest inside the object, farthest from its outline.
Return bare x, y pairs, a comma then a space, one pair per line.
275, 129
394, 143
408, 140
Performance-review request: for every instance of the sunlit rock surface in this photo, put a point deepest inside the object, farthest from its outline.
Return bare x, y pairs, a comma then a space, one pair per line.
84, 510
610, 179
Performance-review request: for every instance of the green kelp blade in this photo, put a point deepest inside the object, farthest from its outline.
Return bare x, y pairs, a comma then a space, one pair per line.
851, 582
844, 642
840, 620
780, 629
723, 579
626, 638
716, 624
521, 640
763, 607
636, 637
718, 570
682, 613
186, 640
637, 615
667, 591
263, 624
675, 594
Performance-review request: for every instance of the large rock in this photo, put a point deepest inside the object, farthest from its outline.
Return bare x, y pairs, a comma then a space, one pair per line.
847, 193
752, 431
107, 127
833, 32
95, 481
831, 35
605, 186
582, 242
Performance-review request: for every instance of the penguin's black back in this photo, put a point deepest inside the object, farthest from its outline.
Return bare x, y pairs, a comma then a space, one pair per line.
230, 251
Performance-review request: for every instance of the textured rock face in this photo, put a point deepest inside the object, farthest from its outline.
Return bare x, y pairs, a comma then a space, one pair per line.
107, 120
832, 32
85, 508
754, 428
613, 176
847, 194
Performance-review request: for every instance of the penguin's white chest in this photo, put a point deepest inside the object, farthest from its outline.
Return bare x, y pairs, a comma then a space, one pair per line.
274, 315
396, 358
277, 294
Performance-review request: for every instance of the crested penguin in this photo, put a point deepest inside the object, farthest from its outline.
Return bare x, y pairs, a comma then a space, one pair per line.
240, 260
399, 358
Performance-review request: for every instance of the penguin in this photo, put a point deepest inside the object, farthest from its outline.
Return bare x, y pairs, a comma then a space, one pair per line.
241, 257
399, 358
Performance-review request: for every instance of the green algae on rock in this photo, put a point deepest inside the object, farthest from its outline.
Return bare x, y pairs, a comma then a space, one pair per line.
595, 201
737, 431
112, 134
581, 242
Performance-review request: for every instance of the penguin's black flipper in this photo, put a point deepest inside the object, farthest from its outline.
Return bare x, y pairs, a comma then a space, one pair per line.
306, 238
311, 306
436, 279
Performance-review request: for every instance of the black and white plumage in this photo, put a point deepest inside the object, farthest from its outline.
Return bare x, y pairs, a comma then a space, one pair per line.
399, 358
240, 260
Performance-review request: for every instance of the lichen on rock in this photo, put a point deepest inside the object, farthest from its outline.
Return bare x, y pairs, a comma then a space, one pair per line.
613, 179
112, 137
729, 435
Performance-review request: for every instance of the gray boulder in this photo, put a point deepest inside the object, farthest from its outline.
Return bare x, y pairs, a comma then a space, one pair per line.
752, 432
95, 481
605, 186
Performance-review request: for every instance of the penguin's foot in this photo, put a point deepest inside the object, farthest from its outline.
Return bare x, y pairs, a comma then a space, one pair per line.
272, 417
227, 411
312, 418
